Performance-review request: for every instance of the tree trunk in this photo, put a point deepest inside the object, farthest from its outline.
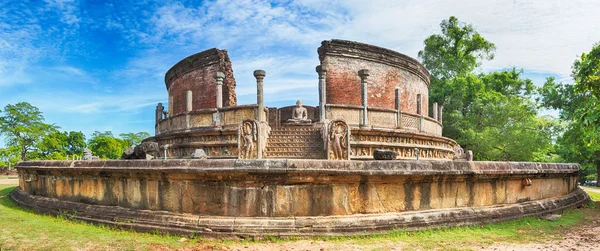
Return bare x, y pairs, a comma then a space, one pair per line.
598, 174
24, 154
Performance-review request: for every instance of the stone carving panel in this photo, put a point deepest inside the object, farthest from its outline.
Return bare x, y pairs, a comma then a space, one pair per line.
248, 139
352, 116
410, 122
339, 140
199, 120
382, 119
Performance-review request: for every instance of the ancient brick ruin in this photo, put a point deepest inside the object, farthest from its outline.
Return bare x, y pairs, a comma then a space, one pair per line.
299, 170
380, 95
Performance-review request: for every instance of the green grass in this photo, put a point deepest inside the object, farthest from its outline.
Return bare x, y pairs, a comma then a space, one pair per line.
3, 177
594, 196
24, 230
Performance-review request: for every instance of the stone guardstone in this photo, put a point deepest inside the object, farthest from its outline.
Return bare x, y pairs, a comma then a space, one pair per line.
199, 154
384, 155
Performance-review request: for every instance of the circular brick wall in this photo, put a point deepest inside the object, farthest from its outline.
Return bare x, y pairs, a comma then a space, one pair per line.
196, 73
388, 70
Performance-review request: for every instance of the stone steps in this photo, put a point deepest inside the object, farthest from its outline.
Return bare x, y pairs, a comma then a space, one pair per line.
295, 142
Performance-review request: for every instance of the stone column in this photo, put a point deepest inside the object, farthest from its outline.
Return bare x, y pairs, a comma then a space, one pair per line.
397, 95
322, 92
170, 105
419, 104
398, 110
260, 76
188, 108
219, 76
364, 73
435, 111
188, 101
158, 112
440, 114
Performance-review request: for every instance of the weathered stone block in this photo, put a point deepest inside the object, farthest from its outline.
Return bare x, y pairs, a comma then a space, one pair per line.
384, 155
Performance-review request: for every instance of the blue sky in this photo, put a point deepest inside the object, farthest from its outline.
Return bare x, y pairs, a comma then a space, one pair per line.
98, 66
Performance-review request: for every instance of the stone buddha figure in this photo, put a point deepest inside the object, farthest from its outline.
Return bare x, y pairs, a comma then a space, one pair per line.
299, 114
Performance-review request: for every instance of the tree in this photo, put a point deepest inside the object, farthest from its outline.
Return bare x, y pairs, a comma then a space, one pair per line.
493, 115
579, 105
23, 126
58, 145
106, 146
10, 155
586, 71
75, 143
456, 51
134, 139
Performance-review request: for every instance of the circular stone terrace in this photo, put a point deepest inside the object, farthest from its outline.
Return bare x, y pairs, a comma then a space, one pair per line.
295, 197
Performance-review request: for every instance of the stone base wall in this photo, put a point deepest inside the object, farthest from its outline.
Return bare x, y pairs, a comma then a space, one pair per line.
210, 226
283, 188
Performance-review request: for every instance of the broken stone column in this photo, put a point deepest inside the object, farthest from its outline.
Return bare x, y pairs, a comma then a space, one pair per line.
435, 111
322, 72
260, 76
219, 76
364, 73
158, 113
440, 114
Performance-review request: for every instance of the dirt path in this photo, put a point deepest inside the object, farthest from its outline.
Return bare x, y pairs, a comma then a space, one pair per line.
4, 181
591, 189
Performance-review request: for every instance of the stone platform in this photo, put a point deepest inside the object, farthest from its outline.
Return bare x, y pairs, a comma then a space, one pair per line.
295, 197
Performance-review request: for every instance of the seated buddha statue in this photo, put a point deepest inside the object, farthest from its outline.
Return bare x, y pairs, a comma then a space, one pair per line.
299, 114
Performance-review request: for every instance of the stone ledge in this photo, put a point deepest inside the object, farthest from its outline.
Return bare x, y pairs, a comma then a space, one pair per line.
358, 224
304, 166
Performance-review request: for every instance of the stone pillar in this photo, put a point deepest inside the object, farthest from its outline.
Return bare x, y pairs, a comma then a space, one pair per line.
397, 96
158, 112
188, 101
398, 110
170, 105
364, 73
260, 76
322, 93
419, 104
219, 76
440, 114
435, 111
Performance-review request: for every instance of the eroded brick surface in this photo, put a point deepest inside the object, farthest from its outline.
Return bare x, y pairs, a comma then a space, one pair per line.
196, 73
388, 70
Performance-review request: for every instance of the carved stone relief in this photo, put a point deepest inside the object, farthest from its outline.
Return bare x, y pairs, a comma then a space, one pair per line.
248, 139
339, 140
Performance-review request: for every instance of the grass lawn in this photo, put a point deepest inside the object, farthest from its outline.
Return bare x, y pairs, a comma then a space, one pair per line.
22, 229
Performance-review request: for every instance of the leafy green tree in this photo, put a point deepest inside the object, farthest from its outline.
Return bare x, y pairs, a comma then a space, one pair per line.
106, 146
495, 117
586, 71
579, 105
134, 139
75, 143
492, 114
23, 126
10, 154
455, 52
